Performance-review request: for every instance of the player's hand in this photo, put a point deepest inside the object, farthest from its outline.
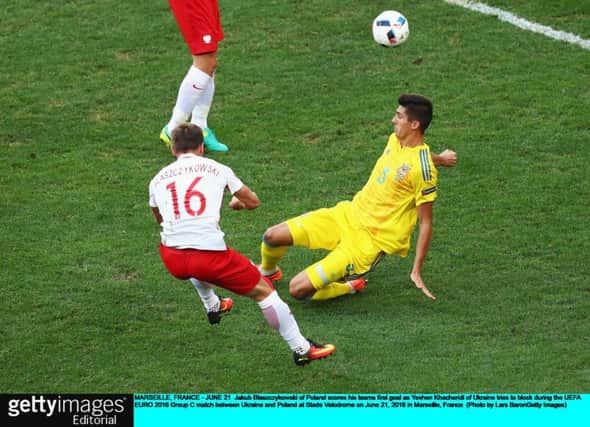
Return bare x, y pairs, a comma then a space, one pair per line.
448, 158
417, 279
236, 204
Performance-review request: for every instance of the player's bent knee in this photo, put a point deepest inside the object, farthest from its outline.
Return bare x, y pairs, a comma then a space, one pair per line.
296, 293
206, 62
300, 289
271, 235
278, 235
262, 290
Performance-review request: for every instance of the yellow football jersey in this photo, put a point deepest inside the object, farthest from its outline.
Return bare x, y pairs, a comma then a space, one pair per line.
402, 179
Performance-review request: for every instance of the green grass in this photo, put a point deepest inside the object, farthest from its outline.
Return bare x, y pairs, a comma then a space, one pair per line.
304, 98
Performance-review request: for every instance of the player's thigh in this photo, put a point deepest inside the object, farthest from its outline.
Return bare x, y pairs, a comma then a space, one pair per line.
175, 262
228, 269
364, 254
200, 24
353, 257
332, 268
317, 229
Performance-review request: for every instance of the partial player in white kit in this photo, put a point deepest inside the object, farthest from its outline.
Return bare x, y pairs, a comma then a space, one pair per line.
199, 22
186, 198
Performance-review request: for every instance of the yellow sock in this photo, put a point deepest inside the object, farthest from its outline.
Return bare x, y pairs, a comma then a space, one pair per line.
332, 290
271, 255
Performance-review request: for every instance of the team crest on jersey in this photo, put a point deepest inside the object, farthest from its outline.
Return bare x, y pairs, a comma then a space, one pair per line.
207, 38
402, 172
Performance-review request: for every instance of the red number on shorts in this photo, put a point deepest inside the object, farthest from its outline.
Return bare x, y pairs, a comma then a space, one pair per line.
190, 193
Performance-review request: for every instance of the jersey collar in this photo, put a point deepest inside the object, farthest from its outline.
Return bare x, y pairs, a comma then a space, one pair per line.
187, 156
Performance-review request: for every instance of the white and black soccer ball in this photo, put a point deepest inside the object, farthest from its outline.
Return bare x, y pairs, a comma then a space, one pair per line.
390, 28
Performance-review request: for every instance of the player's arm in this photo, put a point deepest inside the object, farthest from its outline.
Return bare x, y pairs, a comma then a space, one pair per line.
447, 158
424, 236
244, 198
157, 215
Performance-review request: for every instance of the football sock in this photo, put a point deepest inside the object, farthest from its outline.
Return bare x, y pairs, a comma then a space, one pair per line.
270, 257
208, 297
279, 317
332, 290
191, 89
201, 110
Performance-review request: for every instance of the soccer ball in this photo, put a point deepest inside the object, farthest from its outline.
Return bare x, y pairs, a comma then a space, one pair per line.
390, 28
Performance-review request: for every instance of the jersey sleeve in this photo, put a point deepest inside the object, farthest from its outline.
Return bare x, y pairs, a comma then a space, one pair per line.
233, 182
426, 179
152, 197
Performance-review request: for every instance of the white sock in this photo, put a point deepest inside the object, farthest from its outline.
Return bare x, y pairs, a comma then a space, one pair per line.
208, 297
279, 317
201, 110
191, 90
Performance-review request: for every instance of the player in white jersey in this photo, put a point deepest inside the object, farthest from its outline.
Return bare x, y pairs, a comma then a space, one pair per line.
186, 198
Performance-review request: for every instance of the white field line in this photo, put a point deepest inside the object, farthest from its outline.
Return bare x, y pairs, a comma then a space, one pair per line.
522, 23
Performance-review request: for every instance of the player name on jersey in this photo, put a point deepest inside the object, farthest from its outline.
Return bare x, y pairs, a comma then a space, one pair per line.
200, 168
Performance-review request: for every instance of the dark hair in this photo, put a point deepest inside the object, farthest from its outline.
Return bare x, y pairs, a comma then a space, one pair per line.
186, 137
418, 108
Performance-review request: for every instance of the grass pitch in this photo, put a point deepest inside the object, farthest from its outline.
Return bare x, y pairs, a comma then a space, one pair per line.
304, 99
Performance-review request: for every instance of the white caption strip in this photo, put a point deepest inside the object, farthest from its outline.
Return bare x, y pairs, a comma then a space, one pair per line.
522, 23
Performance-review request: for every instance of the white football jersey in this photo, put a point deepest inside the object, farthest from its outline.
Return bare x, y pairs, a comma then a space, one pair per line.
189, 193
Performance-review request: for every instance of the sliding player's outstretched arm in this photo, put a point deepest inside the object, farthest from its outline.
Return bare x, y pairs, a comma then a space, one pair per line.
422, 245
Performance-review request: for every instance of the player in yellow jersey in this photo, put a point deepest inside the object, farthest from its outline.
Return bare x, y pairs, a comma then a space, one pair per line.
379, 220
